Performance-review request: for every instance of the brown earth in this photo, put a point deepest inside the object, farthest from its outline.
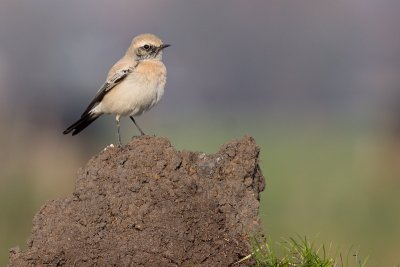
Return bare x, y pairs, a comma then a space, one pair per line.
147, 204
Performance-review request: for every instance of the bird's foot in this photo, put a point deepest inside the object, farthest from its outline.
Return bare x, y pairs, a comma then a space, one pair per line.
119, 144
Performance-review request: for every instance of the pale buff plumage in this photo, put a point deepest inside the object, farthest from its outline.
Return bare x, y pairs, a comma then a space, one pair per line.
134, 84
139, 92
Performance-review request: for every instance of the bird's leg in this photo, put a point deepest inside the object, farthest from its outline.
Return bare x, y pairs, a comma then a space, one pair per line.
119, 135
137, 126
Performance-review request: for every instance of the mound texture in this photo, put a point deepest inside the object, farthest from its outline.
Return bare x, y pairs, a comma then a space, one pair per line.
147, 204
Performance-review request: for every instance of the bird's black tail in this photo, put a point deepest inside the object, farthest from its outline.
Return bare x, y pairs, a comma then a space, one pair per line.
82, 123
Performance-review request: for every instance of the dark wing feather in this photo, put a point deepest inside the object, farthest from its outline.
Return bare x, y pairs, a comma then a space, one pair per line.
107, 86
87, 117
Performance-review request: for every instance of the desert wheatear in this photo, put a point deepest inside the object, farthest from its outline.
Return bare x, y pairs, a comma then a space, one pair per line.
134, 85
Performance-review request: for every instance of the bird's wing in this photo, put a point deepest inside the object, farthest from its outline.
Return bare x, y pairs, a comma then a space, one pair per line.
107, 86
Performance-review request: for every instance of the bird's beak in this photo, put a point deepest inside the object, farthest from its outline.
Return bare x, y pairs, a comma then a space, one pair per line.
164, 46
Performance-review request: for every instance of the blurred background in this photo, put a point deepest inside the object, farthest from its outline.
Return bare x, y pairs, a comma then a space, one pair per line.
316, 83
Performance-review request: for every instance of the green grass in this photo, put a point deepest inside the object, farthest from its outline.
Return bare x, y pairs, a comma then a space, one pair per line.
300, 252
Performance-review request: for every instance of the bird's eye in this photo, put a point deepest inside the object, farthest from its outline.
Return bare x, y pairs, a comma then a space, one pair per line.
146, 47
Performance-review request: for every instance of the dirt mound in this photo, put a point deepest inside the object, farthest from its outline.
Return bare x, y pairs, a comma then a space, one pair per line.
147, 204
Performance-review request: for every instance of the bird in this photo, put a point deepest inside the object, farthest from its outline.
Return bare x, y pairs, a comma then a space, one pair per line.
134, 84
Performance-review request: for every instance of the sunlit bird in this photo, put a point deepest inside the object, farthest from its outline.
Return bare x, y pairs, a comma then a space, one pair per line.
134, 85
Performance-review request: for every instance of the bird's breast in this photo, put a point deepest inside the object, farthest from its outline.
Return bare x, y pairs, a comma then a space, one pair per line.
137, 93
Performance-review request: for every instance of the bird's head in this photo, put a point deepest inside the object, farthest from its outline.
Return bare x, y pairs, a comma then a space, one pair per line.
147, 46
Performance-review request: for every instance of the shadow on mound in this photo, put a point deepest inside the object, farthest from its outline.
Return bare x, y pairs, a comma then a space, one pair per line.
147, 204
